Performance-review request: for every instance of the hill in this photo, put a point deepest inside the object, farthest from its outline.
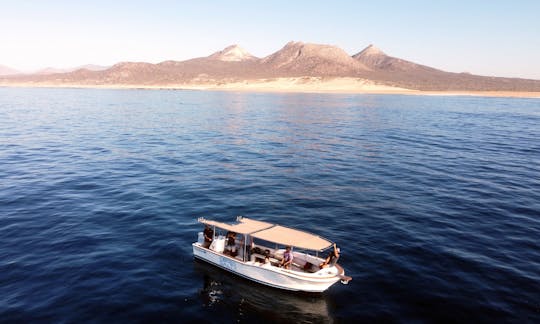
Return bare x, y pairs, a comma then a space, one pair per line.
300, 62
300, 59
6, 70
402, 73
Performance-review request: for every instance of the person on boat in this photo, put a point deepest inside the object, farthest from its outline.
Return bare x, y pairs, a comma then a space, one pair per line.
287, 258
231, 243
208, 236
266, 256
248, 248
332, 258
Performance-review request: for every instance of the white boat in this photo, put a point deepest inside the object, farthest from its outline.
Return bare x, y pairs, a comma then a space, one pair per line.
260, 251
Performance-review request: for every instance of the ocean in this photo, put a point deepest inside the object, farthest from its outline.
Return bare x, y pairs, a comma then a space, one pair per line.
434, 201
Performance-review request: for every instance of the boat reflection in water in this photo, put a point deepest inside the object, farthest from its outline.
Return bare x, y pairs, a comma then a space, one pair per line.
246, 300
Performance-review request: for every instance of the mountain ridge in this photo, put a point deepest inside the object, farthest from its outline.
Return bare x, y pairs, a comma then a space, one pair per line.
6, 70
233, 64
307, 59
375, 58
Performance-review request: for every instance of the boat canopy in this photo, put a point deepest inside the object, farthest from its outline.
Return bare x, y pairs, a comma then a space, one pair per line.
288, 236
272, 233
241, 226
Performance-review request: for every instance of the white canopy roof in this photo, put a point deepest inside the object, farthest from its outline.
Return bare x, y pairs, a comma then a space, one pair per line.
273, 233
242, 225
288, 236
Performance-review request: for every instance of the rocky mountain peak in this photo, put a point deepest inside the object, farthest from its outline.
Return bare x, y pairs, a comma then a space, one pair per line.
371, 50
233, 53
313, 59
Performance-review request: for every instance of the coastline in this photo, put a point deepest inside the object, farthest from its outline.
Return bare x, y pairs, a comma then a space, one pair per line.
282, 85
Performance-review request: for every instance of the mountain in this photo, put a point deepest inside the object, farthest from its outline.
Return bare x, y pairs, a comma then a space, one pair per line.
90, 67
233, 53
300, 59
51, 70
6, 70
306, 62
405, 74
376, 59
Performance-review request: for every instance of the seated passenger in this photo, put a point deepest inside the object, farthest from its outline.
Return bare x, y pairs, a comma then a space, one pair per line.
332, 258
208, 236
287, 258
308, 267
231, 243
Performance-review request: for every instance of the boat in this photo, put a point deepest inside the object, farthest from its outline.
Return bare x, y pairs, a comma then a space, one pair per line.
255, 250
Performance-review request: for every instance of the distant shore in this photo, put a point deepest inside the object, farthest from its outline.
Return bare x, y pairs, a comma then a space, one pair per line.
285, 85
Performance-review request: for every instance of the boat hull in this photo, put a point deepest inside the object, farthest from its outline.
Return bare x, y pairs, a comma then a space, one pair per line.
269, 275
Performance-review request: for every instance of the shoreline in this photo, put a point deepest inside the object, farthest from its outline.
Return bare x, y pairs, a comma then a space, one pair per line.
284, 85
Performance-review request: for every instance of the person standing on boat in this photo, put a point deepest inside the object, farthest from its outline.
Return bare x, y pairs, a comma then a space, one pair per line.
287, 258
208, 236
332, 258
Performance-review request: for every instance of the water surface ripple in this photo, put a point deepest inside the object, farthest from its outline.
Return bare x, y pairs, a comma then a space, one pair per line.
435, 202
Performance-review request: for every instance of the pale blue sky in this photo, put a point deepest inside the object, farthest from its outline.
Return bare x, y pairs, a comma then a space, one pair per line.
483, 37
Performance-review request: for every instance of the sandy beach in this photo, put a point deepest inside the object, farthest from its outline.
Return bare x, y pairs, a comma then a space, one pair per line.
286, 85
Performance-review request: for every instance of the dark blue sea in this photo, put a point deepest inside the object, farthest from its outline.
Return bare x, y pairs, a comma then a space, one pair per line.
434, 201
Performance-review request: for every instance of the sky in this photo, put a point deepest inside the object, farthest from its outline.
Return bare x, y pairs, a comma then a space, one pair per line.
498, 38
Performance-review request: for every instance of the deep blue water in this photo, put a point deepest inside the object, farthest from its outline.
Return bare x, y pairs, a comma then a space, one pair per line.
435, 202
